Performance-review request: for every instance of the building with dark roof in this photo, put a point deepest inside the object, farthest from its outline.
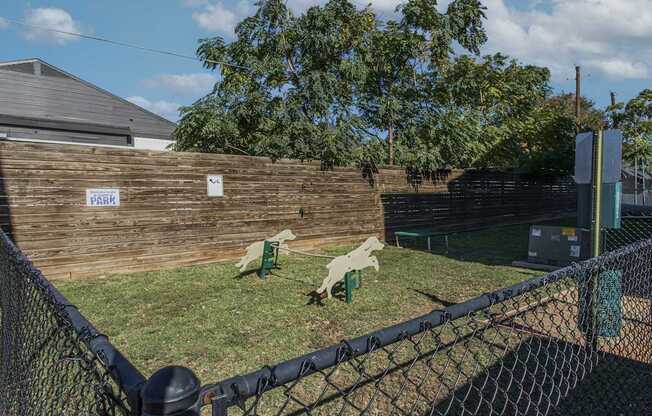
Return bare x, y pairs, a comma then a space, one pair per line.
39, 102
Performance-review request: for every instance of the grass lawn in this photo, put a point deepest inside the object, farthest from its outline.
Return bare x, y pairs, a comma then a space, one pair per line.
220, 324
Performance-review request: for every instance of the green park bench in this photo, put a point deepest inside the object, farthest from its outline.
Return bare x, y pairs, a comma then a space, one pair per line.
428, 234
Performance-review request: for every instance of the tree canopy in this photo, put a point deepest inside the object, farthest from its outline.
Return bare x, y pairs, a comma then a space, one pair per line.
635, 120
340, 85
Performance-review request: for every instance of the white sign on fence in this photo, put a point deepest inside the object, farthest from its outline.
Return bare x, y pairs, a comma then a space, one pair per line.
215, 185
102, 197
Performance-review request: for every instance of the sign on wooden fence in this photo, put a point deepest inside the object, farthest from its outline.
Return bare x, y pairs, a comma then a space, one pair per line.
102, 197
215, 185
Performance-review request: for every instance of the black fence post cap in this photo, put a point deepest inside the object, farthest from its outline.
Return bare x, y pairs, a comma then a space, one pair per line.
172, 390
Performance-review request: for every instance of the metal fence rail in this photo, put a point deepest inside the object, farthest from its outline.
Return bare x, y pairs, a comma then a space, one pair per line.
52, 360
577, 341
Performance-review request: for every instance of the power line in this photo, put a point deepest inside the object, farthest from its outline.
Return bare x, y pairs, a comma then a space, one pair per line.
124, 44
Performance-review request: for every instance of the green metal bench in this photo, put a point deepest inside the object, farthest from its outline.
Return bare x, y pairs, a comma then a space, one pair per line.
415, 234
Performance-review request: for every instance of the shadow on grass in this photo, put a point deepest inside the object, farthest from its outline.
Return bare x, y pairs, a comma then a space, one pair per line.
528, 382
434, 298
543, 376
338, 293
496, 246
246, 273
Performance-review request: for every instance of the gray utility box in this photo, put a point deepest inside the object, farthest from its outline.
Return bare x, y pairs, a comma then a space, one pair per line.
611, 186
558, 246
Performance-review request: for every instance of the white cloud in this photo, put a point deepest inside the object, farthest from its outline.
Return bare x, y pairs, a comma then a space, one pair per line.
617, 68
607, 36
3, 23
217, 17
166, 109
41, 19
183, 84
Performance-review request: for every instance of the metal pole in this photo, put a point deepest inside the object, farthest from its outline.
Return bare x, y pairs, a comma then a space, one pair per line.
578, 84
636, 180
591, 294
172, 391
644, 169
597, 194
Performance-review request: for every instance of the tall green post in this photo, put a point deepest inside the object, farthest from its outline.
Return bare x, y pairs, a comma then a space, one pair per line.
596, 232
596, 221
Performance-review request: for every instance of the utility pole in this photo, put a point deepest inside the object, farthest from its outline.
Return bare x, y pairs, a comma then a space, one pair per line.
578, 82
613, 109
636, 180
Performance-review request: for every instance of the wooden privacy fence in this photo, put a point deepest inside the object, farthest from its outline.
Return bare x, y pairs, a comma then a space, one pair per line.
476, 199
165, 217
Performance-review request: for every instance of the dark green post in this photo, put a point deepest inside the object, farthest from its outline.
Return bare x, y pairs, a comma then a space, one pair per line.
269, 258
352, 280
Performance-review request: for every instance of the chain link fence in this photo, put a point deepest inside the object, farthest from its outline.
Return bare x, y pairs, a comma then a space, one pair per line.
52, 360
636, 225
633, 228
575, 342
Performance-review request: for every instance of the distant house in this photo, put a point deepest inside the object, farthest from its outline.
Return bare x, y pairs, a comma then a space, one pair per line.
39, 102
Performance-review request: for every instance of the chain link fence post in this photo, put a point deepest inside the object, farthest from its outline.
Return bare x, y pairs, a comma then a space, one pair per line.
171, 391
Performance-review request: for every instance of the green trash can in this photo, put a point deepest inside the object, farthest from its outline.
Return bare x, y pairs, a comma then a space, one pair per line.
609, 315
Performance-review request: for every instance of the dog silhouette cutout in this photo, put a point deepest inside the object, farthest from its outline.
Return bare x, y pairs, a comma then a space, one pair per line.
358, 259
255, 250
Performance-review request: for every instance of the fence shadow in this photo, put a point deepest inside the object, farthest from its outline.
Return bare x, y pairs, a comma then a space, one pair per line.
528, 382
474, 201
496, 246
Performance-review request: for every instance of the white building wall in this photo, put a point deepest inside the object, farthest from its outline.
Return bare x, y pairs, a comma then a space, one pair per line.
151, 144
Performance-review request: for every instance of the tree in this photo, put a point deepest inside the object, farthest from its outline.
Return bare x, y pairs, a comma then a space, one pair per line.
496, 97
636, 123
403, 54
635, 119
286, 88
340, 85
325, 85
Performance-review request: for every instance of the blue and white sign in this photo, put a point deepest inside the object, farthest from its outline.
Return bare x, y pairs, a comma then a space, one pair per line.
102, 197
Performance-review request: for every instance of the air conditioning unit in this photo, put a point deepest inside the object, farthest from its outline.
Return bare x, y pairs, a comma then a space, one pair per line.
558, 246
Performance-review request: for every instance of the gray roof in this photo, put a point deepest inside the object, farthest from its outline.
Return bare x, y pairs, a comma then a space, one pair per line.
629, 171
34, 88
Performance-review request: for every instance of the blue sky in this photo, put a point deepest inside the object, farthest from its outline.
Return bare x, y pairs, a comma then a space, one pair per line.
611, 39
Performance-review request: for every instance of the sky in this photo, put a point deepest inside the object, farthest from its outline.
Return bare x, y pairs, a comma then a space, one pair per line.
610, 39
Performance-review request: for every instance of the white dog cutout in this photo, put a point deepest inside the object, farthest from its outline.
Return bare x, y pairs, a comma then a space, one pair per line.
255, 250
358, 259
